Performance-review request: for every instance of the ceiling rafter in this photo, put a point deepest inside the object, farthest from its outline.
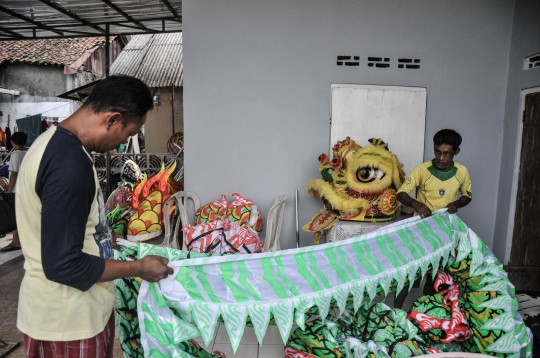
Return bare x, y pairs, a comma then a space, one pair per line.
66, 12
127, 16
27, 19
169, 6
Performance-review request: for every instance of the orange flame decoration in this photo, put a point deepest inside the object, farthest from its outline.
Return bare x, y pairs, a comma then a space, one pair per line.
157, 182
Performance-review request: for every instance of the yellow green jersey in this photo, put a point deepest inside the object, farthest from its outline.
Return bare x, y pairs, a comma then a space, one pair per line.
436, 188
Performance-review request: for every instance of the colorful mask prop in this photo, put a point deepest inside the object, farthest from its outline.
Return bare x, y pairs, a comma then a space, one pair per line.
222, 237
118, 220
241, 210
358, 184
286, 286
120, 197
131, 173
149, 195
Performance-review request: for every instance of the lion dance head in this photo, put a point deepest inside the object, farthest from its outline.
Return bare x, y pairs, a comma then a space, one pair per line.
358, 184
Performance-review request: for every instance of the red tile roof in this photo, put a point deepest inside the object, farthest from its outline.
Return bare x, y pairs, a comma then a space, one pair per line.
48, 51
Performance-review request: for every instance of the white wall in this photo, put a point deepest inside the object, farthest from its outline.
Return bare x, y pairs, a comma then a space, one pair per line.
525, 42
257, 89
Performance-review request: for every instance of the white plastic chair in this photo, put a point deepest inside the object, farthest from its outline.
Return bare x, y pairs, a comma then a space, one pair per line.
273, 224
179, 218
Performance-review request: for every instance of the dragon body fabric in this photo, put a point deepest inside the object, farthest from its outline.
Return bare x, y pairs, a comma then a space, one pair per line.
358, 184
287, 286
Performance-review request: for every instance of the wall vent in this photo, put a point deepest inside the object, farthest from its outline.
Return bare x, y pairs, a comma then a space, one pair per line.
348, 61
380, 62
412, 63
531, 62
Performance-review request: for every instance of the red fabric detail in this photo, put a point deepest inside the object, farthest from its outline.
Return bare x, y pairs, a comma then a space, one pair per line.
99, 346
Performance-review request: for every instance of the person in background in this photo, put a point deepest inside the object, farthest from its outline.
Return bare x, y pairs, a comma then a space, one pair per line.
67, 296
439, 181
438, 184
18, 141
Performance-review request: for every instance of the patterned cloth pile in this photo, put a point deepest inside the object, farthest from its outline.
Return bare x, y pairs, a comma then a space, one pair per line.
303, 285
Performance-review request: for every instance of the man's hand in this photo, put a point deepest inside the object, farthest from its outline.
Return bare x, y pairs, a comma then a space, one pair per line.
452, 207
154, 268
421, 209
114, 243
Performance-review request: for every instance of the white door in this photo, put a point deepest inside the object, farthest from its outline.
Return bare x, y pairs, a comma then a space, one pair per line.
395, 114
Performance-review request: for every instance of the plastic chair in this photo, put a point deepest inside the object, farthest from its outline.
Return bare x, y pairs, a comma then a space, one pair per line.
178, 218
273, 224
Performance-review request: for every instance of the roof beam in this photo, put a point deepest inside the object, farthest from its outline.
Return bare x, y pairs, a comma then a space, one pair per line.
126, 15
12, 33
27, 19
169, 6
66, 12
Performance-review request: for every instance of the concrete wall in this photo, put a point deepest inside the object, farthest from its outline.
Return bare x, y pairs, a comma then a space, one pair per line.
39, 87
525, 42
159, 127
257, 89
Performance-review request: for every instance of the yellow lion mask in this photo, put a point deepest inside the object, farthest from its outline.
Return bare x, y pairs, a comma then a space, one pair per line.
359, 184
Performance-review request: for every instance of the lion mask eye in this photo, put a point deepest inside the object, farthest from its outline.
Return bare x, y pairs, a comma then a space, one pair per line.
369, 175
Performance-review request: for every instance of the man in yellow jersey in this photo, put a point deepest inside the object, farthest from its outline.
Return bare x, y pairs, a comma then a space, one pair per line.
438, 181
67, 295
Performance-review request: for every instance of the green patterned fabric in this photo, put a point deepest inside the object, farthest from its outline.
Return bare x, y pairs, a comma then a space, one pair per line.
284, 285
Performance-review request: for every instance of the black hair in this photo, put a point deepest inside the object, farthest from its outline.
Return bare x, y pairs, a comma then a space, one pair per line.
124, 94
449, 137
19, 138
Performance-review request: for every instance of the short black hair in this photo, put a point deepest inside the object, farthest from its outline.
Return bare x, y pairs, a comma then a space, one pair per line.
124, 94
19, 138
448, 137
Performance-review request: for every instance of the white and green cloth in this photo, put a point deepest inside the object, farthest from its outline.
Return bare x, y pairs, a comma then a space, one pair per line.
284, 285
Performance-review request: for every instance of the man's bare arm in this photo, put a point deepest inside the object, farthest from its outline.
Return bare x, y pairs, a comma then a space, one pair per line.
150, 268
420, 208
12, 181
455, 205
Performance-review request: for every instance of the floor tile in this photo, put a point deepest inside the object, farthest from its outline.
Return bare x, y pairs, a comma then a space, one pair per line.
200, 339
243, 351
249, 337
271, 351
272, 336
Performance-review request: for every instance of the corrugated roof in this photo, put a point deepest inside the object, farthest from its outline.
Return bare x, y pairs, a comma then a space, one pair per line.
33, 19
49, 51
154, 59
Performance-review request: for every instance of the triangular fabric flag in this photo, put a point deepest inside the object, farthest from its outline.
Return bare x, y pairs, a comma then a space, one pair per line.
424, 264
399, 277
501, 302
183, 331
476, 262
504, 322
505, 344
283, 314
412, 271
464, 248
434, 265
206, 316
500, 286
357, 290
234, 317
301, 305
340, 295
260, 316
384, 283
371, 287
322, 300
